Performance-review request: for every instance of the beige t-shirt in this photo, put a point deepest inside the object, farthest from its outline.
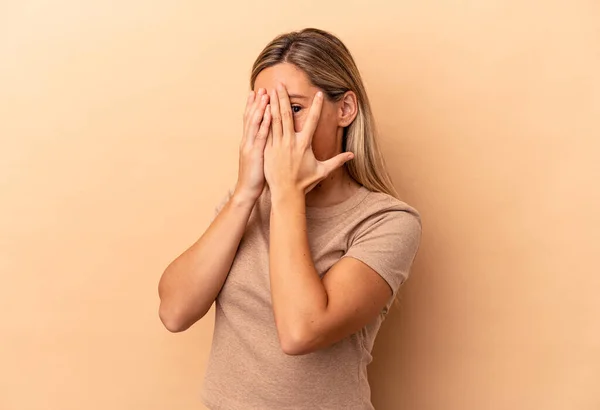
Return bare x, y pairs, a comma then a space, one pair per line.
247, 369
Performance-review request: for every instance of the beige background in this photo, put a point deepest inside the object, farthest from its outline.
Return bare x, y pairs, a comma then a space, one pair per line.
119, 126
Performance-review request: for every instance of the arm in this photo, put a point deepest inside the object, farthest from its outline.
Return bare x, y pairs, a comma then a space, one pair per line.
311, 313
191, 283
308, 314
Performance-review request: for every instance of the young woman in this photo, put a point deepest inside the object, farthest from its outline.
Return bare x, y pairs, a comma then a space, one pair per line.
305, 256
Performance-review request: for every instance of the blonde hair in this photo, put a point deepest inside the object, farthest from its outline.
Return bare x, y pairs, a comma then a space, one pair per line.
330, 66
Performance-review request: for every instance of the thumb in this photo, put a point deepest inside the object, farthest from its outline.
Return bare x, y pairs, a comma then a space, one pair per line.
336, 162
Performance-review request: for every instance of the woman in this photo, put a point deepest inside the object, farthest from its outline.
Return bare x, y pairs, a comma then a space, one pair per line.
306, 254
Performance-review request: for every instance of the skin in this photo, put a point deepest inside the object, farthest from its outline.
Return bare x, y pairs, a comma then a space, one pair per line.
292, 140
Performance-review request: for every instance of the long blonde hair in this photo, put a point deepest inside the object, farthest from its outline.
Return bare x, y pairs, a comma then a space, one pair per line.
330, 67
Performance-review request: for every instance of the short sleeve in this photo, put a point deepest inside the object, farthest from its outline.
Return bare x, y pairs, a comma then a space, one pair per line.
388, 243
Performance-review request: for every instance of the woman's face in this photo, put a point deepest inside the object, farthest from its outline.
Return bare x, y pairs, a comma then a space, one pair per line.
327, 139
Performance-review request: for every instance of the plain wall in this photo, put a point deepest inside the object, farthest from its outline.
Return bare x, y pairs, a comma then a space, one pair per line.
119, 126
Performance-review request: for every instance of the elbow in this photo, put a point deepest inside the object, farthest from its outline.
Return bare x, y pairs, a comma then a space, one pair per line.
173, 320
297, 342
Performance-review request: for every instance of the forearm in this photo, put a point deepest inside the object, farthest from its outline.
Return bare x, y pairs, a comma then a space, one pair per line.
298, 295
190, 284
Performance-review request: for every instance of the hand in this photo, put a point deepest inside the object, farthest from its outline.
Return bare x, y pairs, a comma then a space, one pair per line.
257, 119
290, 163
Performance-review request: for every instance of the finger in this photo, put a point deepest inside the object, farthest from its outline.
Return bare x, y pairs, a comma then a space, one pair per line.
336, 162
270, 137
256, 119
265, 126
275, 118
255, 105
308, 130
249, 102
286, 111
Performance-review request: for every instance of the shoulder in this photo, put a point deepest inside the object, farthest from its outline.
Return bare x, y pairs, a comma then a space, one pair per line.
382, 202
381, 209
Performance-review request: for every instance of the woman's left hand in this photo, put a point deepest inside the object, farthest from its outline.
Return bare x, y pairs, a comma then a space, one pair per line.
290, 163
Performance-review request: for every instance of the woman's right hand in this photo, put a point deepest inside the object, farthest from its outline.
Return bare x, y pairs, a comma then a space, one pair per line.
257, 119
192, 282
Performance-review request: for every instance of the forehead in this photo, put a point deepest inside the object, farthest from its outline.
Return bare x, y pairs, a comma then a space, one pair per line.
294, 79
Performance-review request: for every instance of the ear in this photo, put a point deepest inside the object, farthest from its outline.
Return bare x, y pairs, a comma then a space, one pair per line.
348, 109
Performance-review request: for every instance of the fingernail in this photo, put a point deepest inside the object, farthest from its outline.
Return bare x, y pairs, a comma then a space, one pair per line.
280, 87
264, 97
319, 94
261, 90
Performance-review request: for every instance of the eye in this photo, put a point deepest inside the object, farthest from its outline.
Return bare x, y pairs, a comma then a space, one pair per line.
296, 109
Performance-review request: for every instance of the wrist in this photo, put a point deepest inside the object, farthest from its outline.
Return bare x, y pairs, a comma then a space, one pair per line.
287, 195
243, 199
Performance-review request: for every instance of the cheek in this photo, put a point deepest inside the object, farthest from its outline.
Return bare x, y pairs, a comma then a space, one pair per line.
324, 142
300, 120
327, 124
326, 130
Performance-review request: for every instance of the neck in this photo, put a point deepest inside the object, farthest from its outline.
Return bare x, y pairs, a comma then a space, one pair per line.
336, 188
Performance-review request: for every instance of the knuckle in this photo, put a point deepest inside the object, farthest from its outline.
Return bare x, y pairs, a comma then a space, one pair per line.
246, 150
258, 114
251, 111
